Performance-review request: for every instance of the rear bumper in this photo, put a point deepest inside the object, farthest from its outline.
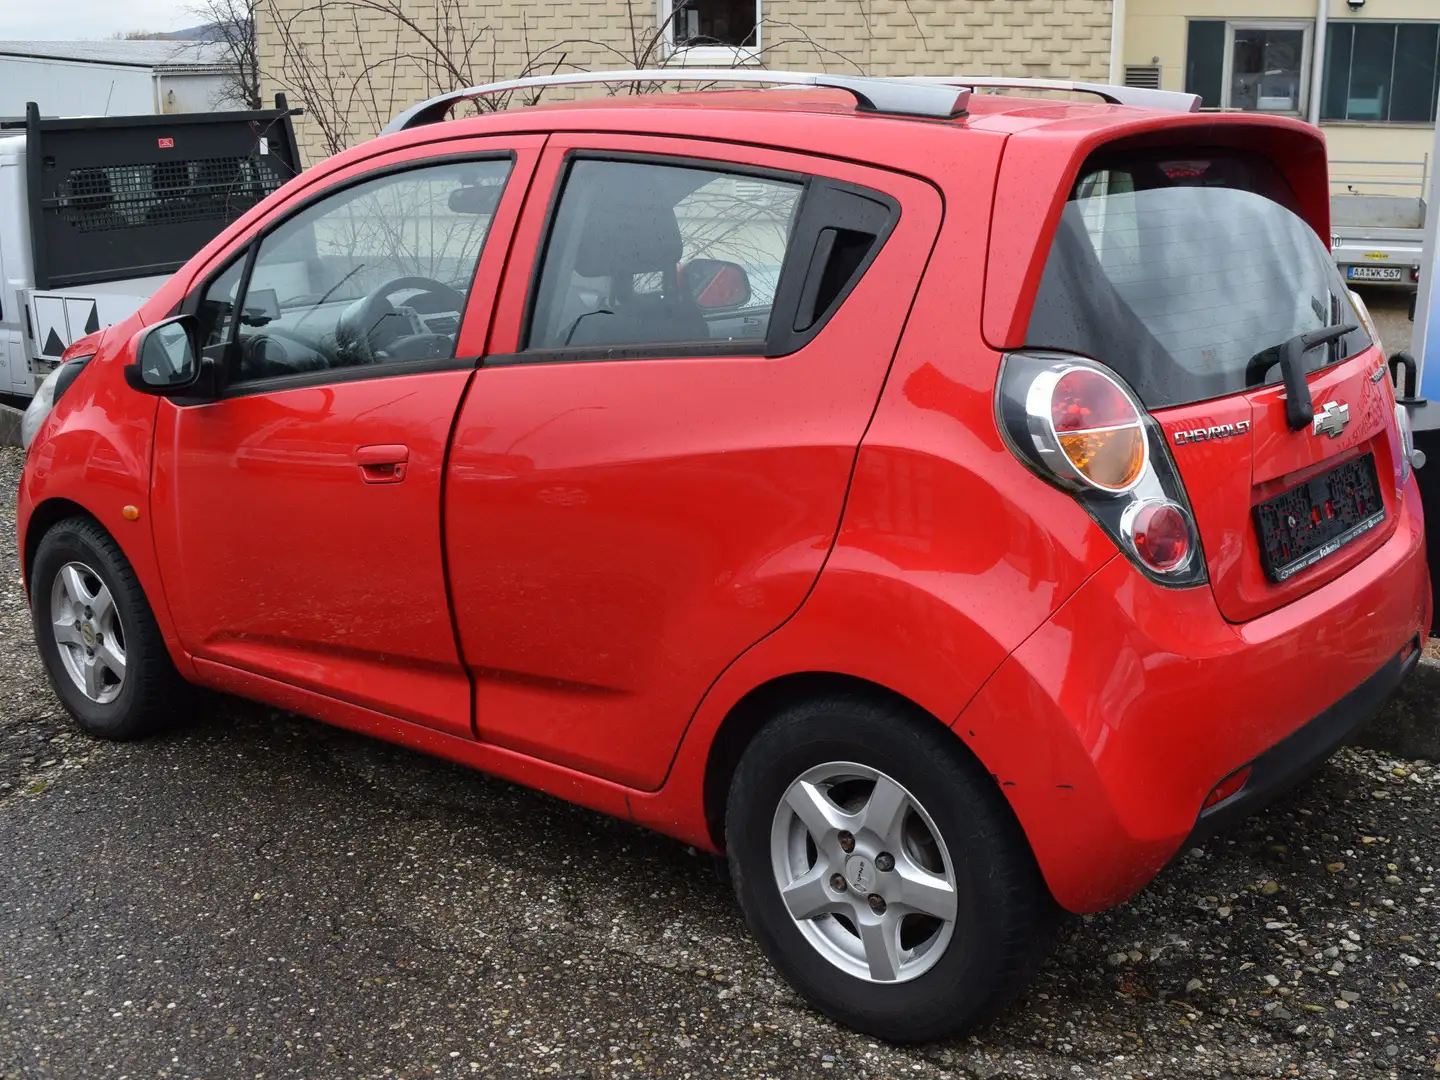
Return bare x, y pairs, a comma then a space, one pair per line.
1301, 752
1109, 727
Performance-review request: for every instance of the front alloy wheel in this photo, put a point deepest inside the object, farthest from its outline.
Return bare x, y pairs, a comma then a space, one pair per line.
88, 633
97, 635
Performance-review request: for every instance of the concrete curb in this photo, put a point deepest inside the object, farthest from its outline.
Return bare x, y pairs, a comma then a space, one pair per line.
1409, 724
10, 425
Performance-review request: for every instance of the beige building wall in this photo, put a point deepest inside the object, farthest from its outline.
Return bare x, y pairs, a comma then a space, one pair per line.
1156, 30
353, 67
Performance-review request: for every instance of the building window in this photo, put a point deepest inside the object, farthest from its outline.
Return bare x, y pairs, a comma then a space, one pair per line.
1251, 66
712, 30
1381, 73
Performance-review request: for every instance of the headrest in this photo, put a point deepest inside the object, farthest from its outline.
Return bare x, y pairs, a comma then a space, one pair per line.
623, 237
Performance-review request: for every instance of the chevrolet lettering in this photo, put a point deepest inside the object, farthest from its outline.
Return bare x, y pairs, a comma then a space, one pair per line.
1219, 431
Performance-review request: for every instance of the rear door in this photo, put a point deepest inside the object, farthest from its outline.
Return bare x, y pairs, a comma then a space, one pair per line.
1187, 270
650, 467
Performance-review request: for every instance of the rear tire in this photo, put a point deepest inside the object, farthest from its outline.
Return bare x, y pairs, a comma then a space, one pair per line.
97, 635
902, 814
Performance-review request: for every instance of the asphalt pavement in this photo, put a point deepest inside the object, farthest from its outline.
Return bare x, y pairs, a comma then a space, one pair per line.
256, 895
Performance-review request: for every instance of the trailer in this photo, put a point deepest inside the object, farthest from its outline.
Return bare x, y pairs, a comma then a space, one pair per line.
96, 212
1378, 239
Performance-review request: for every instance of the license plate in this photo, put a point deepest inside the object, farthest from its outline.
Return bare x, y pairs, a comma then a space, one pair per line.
1373, 273
1315, 519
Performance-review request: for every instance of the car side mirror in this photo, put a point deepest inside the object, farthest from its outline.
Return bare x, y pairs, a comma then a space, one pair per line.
715, 285
167, 357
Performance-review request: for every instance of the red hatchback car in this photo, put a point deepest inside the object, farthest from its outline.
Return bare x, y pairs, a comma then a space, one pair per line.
945, 505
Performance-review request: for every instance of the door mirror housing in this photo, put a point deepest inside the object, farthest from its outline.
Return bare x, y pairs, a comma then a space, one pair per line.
715, 285
167, 358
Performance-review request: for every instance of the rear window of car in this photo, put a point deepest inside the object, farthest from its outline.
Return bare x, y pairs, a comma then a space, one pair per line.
1185, 272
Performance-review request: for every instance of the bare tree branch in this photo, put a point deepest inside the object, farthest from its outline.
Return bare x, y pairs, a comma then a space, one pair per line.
231, 25
349, 92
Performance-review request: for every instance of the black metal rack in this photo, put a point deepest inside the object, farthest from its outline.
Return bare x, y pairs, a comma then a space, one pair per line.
131, 196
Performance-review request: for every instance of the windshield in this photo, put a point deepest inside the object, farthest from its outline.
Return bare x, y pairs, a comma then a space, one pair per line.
1185, 273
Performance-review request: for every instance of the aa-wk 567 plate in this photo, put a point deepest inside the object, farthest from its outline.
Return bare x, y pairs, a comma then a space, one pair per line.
1317, 518
1373, 273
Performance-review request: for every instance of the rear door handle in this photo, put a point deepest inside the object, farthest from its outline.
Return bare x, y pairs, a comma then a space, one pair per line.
383, 464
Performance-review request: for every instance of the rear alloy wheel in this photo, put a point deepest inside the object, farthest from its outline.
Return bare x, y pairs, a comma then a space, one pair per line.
97, 635
863, 872
882, 871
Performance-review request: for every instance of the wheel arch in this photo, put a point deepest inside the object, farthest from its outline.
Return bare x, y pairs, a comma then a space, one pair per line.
757, 707
43, 518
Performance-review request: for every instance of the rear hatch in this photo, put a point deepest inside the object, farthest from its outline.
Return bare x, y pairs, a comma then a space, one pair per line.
1187, 271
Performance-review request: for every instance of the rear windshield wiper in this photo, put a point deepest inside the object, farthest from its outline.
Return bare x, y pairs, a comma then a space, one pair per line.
1299, 407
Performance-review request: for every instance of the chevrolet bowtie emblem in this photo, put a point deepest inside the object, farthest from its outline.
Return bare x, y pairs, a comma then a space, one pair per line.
1330, 419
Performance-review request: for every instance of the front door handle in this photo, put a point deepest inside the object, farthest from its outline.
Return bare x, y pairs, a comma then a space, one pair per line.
383, 464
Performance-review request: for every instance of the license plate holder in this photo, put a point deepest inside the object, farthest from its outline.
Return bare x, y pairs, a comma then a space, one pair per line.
1373, 273
1310, 522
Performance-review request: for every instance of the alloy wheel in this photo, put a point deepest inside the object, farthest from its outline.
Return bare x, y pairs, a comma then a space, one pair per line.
88, 633
864, 872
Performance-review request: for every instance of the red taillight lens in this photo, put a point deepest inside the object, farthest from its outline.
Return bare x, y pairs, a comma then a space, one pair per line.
1231, 785
1098, 429
1160, 533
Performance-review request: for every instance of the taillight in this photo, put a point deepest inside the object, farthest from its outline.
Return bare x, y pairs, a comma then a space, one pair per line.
1098, 429
1160, 534
1077, 425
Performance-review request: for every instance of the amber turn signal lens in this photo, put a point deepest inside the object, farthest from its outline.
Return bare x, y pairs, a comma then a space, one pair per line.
1108, 459
1098, 429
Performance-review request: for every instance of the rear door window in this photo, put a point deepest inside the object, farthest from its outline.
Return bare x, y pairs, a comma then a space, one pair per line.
1185, 272
645, 254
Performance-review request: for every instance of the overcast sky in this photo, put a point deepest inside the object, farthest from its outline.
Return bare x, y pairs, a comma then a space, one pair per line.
48, 20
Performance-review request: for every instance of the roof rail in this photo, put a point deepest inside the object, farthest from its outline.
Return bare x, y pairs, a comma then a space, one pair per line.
1141, 97
902, 97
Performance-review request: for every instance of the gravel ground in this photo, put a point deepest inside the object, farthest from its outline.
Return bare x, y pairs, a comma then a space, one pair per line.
260, 896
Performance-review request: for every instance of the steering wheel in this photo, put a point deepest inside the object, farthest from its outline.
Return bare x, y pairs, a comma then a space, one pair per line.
357, 329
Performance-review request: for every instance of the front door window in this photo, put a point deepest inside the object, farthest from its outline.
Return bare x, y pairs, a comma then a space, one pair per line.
377, 273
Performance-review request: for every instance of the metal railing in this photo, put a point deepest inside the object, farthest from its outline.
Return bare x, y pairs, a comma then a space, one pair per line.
1348, 174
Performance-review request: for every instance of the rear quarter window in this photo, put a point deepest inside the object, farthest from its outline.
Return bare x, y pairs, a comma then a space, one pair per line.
1185, 271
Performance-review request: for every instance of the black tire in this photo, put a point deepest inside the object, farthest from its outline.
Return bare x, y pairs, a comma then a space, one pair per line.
151, 691
1006, 918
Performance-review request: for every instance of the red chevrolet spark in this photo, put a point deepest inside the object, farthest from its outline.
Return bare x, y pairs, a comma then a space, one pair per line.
947, 506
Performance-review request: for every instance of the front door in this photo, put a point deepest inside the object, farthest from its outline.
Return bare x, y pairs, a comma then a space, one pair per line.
651, 465
298, 516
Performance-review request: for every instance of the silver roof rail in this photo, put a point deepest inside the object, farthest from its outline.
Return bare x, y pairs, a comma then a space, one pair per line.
1141, 97
902, 97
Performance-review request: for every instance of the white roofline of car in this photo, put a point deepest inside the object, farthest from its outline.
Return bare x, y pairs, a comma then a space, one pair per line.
942, 96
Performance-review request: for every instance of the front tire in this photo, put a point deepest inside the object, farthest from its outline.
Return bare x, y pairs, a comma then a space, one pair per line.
881, 870
97, 635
